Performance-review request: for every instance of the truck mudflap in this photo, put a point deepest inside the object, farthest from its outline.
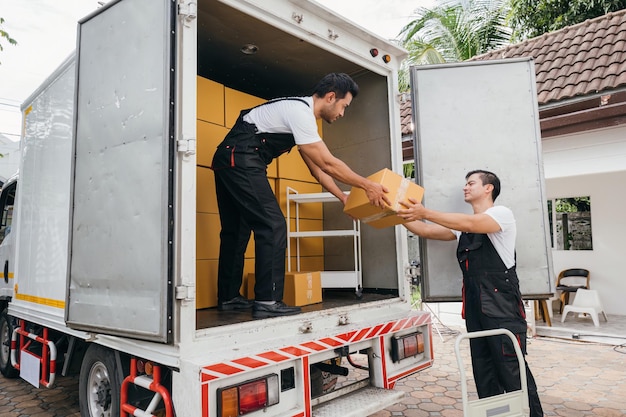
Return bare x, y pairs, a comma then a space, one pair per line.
280, 378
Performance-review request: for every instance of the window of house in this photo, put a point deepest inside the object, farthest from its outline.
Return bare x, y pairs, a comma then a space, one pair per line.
570, 223
408, 169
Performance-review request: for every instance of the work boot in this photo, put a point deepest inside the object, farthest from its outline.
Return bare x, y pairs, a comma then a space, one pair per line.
262, 311
237, 303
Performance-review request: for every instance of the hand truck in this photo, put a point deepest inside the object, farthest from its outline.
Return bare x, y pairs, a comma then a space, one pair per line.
509, 404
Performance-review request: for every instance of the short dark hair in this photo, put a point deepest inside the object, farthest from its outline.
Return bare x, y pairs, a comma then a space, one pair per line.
487, 177
338, 83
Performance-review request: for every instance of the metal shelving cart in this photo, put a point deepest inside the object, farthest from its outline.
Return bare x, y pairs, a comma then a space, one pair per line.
330, 279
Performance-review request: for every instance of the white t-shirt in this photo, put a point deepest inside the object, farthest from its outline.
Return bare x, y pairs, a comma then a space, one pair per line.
287, 116
503, 241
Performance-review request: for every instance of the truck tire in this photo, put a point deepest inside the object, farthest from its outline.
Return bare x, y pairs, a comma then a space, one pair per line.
99, 386
6, 331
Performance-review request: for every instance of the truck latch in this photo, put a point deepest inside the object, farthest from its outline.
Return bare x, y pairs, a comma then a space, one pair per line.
186, 146
186, 292
188, 10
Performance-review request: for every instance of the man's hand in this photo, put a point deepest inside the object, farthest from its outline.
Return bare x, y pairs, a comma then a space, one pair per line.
376, 194
414, 210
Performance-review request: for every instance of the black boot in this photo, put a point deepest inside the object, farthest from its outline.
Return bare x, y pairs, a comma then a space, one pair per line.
261, 311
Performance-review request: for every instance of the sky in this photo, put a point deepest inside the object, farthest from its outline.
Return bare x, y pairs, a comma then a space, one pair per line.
46, 34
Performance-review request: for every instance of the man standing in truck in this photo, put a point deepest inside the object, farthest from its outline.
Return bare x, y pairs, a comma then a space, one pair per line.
247, 203
491, 294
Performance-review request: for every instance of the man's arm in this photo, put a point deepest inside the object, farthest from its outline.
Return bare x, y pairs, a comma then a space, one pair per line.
430, 230
324, 179
470, 223
317, 155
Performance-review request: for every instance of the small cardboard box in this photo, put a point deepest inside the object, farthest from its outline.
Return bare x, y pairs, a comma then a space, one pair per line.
301, 288
400, 189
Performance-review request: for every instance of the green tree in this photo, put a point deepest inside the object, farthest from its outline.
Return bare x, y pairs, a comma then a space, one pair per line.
531, 18
5, 35
454, 30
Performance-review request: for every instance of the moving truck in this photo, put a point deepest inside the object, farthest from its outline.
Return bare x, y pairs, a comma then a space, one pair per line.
110, 230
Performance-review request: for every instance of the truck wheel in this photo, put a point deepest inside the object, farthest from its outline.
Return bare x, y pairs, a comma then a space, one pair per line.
99, 386
6, 331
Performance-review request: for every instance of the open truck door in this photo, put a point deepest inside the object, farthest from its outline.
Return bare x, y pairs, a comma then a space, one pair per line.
121, 226
481, 115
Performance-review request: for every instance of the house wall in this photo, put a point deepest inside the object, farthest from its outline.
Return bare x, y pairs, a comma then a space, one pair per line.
605, 261
594, 164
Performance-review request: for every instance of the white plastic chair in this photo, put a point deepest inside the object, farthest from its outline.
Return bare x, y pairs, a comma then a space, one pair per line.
588, 302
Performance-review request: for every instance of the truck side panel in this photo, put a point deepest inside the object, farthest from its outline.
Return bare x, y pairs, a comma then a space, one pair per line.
43, 197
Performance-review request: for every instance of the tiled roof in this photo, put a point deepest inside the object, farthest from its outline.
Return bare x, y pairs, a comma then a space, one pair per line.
578, 60
406, 117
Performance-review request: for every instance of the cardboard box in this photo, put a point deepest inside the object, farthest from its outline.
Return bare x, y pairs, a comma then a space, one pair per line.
301, 288
400, 189
206, 283
210, 101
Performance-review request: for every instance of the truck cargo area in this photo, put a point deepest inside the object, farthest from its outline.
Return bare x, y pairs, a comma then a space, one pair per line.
242, 62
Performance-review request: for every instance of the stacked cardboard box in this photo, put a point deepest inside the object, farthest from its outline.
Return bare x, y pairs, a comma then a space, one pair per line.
301, 288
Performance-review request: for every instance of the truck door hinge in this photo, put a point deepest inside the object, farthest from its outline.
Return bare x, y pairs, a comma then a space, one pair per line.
187, 146
188, 10
186, 292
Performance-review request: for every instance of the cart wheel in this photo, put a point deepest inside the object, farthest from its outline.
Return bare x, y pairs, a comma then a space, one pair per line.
99, 387
6, 331
359, 293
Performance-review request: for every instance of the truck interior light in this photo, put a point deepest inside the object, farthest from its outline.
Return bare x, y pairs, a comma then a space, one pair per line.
374, 52
386, 59
248, 396
407, 346
249, 49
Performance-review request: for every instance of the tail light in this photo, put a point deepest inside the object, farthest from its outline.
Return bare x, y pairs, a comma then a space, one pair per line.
406, 346
249, 396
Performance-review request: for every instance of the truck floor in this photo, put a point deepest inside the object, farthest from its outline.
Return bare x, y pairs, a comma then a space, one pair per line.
211, 317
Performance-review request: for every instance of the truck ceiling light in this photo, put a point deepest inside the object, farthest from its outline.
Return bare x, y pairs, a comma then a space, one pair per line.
249, 396
386, 59
374, 52
407, 346
249, 49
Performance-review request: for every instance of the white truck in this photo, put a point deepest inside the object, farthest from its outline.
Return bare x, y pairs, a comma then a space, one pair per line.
101, 271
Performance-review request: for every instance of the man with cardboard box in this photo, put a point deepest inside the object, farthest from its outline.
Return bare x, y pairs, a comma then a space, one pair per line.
246, 201
491, 294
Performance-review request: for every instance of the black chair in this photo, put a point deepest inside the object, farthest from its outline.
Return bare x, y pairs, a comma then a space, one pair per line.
569, 281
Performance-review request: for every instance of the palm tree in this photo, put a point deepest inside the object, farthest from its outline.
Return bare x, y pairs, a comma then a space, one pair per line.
4, 34
454, 30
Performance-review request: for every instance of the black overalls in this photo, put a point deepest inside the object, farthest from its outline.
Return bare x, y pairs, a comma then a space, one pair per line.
492, 300
247, 203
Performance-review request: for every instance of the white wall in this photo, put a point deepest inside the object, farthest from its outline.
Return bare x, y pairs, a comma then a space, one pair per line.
594, 164
608, 227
